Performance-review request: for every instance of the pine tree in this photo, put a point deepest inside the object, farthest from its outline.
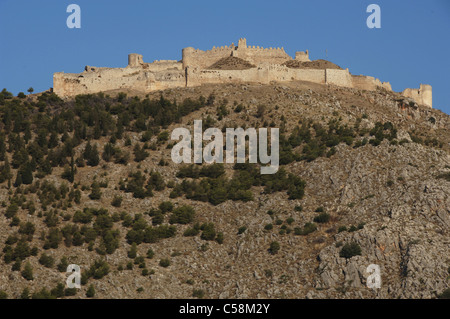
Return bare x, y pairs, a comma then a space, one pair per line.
140, 153
25, 293
133, 251
87, 151
93, 158
5, 171
27, 272
90, 293
2, 148
27, 174
18, 180
95, 191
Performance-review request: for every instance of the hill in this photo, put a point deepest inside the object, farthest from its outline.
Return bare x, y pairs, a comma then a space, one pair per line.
364, 179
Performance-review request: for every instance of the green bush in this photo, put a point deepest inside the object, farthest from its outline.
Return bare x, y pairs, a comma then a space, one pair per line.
165, 207
341, 229
220, 238
322, 218
350, 250
445, 294
308, 228
208, 231
165, 262
46, 260
198, 293
274, 247
90, 293
241, 230
27, 272
117, 201
150, 253
182, 215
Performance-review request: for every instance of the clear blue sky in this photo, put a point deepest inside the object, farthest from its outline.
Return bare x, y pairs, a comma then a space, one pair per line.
412, 46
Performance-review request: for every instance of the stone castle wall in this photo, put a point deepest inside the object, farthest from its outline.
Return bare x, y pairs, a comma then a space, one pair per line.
193, 70
423, 95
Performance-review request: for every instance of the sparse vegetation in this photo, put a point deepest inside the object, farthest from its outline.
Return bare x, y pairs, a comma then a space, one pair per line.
350, 250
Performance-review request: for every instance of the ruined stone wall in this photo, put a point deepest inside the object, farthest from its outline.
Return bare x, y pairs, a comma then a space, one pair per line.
164, 65
302, 56
422, 96
263, 74
70, 84
369, 83
338, 77
194, 58
257, 55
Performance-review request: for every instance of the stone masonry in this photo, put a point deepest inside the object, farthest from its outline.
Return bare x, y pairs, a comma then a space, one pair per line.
195, 69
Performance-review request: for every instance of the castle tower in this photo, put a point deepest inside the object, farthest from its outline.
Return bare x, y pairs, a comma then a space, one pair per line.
242, 44
426, 94
302, 56
135, 60
186, 54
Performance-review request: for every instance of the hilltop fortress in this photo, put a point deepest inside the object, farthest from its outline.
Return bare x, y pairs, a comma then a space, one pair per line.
225, 64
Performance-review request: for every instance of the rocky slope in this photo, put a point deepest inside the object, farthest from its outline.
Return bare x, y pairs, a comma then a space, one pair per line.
391, 199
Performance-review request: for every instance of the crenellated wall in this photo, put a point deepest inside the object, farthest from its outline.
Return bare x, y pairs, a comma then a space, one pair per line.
193, 70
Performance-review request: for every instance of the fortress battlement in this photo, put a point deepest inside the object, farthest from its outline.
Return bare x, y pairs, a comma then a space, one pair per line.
239, 63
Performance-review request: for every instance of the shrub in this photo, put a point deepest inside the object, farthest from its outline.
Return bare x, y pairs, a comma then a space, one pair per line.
63, 264
165, 207
182, 215
341, 229
164, 262
133, 251
90, 293
117, 201
445, 294
208, 231
322, 218
150, 253
308, 228
198, 293
241, 230
46, 260
220, 238
268, 227
27, 272
98, 270
191, 232
95, 191
25, 293
350, 250
70, 291
274, 247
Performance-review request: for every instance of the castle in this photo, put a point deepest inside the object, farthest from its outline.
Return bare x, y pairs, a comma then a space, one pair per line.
226, 64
